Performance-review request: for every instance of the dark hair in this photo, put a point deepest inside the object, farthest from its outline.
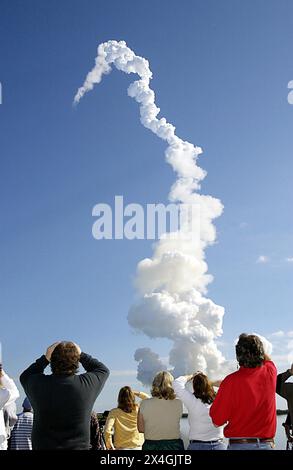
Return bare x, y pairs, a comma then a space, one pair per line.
203, 389
250, 351
65, 359
126, 400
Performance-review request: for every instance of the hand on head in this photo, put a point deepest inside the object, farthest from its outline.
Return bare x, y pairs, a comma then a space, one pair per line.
78, 348
51, 348
189, 377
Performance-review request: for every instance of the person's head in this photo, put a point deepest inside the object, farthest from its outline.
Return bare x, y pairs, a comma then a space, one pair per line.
26, 405
202, 388
162, 386
250, 351
65, 359
126, 399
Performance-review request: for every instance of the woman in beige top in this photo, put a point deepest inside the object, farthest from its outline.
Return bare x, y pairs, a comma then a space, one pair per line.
159, 416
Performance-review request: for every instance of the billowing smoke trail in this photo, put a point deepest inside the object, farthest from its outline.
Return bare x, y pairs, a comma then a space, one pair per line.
149, 365
173, 283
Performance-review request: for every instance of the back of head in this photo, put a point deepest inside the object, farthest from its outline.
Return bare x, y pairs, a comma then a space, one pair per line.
162, 386
203, 389
26, 405
250, 351
65, 359
126, 399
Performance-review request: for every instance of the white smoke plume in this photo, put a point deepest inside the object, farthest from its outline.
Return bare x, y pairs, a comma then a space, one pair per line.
149, 364
173, 283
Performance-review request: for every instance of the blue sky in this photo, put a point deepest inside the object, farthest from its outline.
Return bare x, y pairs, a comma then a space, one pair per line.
221, 71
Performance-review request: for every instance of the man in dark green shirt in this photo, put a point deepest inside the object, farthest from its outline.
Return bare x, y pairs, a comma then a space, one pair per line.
63, 401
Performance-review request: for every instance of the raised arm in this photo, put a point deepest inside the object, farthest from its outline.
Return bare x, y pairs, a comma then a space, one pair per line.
220, 409
281, 389
182, 393
9, 384
141, 395
37, 368
96, 371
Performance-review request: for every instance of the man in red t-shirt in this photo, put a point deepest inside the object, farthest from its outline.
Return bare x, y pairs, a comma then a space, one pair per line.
246, 400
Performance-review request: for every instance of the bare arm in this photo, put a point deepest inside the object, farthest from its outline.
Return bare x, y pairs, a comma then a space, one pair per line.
216, 383
140, 422
141, 395
109, 426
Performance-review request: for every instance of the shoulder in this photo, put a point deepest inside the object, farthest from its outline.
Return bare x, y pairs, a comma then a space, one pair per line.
230, 379
114, 412
271, 369
147, 403
177, 401
270, 365
178, 404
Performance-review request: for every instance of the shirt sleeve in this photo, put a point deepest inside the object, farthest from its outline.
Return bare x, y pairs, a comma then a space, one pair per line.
281, 388
4, 397
108, 432
35, 369
182, 393
9, 384
221, 407
271, 368
96, 372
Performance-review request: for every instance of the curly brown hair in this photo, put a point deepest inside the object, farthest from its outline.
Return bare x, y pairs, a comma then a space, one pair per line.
126, 400
250, 351
203, 389
65, 359
162, 386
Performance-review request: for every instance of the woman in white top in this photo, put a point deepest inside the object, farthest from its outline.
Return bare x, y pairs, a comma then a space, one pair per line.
8, 394
159, 416
203, 435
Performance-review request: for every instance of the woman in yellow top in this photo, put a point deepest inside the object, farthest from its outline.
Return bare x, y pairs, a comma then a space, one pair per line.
123, 421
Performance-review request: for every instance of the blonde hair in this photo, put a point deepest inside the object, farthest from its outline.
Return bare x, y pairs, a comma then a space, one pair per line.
162, 386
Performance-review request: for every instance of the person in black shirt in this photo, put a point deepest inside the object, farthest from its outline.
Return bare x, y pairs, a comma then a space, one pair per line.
285, 388
63, 401
288, 430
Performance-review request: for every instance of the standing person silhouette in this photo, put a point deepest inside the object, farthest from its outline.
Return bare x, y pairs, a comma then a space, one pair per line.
246, 401
63, 401
8, 394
